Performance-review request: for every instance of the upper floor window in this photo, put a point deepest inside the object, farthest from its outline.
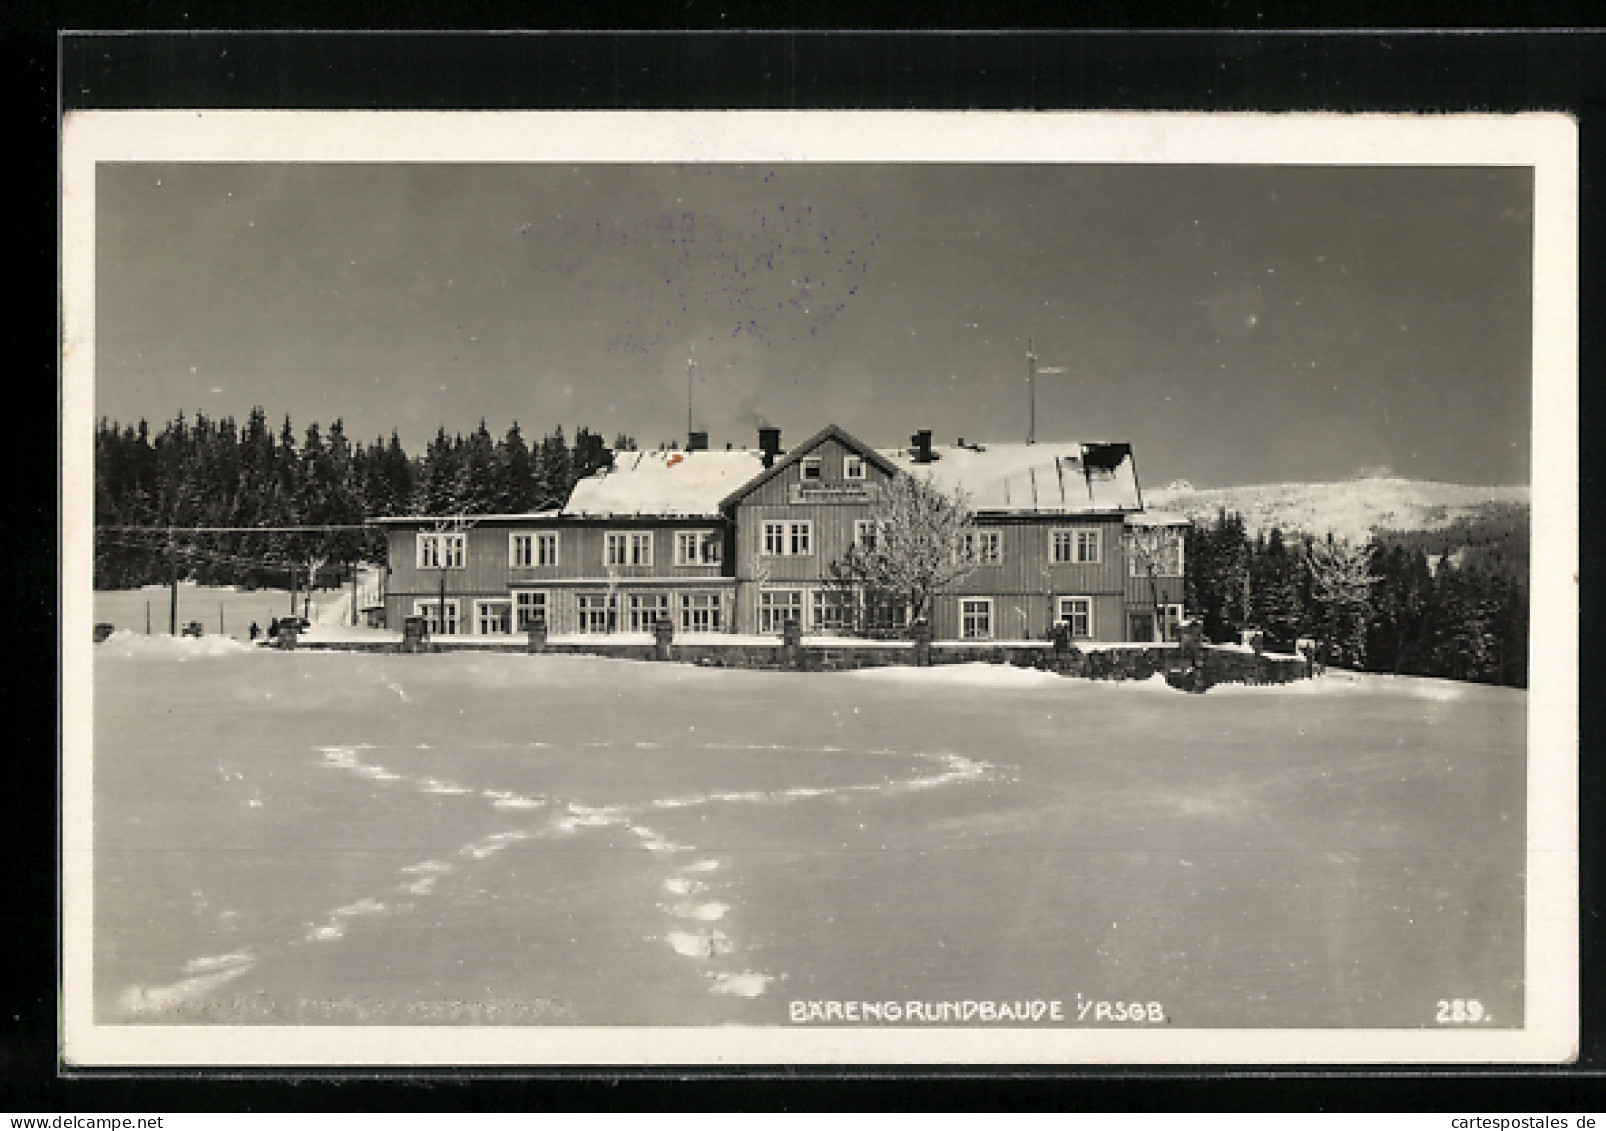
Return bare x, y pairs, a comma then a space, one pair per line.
864, 533
813, 469
697, 547
1080, 545
1163, 547
440, 551
532, 550
984, 547
627, 548
853, 467
785, 539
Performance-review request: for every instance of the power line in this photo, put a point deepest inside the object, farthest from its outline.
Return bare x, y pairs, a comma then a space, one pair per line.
329, 528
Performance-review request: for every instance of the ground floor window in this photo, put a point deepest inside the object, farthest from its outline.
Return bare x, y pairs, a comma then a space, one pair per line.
833, 610
493, 617
431, 612
701, 612
976, 618
529, 607
1078, 613
884, 614
599, 612
647, 609
1170, 622
777, 606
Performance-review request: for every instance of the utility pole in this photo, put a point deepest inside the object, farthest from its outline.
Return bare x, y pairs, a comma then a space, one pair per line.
172, 577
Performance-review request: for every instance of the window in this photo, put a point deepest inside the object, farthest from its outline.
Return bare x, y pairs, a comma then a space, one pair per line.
1078, 613
647, 609
430, 611
1170, 622
984, 547
628, 549
493, 617
884, 614
785, 539
864, 533
777, 606
853, 467
976, 618
832, 610
1079, 545
529, 606
532, 549
700, 612
698, 547
1168, 557
813, 469
440, 551
598, 612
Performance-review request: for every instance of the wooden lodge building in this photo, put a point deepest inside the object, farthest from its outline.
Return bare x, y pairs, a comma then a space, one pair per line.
743, 541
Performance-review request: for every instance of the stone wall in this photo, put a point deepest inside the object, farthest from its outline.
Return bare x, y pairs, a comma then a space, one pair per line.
1214, 665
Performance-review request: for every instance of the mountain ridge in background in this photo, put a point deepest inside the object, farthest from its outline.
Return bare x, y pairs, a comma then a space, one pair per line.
1352, 509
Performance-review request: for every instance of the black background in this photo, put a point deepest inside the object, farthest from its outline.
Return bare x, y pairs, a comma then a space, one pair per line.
158, 55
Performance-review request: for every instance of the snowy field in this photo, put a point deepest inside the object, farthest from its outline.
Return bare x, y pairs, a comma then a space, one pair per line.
326, 837
222, 610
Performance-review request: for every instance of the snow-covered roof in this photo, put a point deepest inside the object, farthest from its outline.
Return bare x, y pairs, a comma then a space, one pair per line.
465, 519
663, 484
1044, 478
1158, 518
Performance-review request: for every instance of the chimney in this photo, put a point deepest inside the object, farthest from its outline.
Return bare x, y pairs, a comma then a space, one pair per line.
921, 441
697, 441
769, 444
728, 445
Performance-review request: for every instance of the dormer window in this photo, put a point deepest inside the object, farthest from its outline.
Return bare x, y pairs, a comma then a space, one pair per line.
813, 469
853, 467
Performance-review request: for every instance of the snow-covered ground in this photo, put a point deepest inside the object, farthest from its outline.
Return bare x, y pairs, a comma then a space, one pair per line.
1349, 508
223, 610
497, 838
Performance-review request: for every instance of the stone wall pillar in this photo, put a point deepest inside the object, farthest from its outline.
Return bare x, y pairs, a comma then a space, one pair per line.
663, 639
921, 632
535, 636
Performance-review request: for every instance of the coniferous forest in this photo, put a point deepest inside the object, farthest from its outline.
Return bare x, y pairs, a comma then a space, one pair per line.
1451, 602
200, 472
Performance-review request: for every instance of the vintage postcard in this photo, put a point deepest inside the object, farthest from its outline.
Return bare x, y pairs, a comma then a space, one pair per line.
593, 589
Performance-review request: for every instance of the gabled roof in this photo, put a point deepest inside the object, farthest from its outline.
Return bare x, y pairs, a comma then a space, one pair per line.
829, 432
662, 485
1047, 478
467, 520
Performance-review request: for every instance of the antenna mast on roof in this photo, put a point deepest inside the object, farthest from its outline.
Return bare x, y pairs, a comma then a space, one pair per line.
1031, 393
1031, 390
691, 364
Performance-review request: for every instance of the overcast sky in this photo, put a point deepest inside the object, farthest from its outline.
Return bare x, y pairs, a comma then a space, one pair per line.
1237, 324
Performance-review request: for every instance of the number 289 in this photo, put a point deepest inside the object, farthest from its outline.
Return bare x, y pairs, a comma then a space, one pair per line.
1460, 1012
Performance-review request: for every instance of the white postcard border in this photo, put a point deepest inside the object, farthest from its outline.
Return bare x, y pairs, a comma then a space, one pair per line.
1547, 142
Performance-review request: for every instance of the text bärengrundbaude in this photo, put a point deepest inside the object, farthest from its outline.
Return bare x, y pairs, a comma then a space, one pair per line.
972, 1012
